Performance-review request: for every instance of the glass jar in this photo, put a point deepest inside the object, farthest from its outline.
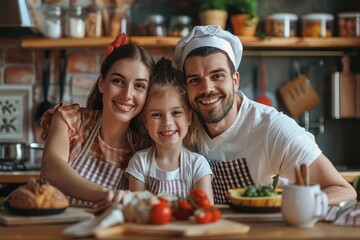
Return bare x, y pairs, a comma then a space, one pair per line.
155, 25
74, 22
317, 25
53, 22
93, 21
281, 25
180, 26
349, 24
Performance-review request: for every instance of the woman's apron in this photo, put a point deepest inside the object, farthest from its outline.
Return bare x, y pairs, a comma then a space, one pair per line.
96, 170
179, 187
227, 175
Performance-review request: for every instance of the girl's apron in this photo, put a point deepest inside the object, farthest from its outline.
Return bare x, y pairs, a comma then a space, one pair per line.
179, 187
227, 175
97, 170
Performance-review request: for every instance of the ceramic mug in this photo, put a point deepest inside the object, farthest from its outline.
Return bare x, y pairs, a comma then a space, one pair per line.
303, 206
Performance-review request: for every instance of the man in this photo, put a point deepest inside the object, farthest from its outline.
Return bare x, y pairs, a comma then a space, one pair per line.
245, 142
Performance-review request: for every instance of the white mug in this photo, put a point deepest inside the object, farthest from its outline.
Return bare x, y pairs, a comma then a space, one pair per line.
303, 206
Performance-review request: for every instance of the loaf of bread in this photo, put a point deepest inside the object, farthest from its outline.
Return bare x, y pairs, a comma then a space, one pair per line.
38, 194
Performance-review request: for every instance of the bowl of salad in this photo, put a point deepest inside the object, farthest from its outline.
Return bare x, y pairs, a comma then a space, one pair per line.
255, 199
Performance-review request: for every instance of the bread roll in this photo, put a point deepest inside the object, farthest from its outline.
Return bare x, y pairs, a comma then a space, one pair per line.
38, 194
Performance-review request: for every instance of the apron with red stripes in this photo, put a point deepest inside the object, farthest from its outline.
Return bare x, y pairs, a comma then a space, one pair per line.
179, 187
227, 175
96, 170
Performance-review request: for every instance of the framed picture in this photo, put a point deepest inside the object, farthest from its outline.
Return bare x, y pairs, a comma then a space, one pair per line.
15, 113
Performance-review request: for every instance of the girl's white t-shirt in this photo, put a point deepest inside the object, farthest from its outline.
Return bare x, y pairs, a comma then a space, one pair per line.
195, 167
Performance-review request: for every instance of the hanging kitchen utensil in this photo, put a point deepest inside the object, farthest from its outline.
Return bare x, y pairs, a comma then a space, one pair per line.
345, 92
263, 98
299, 96
45, 104
62, 74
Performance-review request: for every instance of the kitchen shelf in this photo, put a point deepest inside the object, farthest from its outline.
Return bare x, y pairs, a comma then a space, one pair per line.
248, 42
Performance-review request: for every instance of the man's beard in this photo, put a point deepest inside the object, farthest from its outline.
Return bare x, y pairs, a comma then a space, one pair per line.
215, 115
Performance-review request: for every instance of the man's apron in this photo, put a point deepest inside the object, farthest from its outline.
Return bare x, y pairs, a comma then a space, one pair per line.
227, 175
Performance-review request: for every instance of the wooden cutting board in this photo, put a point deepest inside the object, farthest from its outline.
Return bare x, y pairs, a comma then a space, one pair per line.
345, 92
189, 228
70, 215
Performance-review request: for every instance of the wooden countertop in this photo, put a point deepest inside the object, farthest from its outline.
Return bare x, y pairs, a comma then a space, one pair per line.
18, 177
270, 230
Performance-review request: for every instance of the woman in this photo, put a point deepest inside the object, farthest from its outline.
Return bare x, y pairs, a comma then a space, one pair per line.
87, 149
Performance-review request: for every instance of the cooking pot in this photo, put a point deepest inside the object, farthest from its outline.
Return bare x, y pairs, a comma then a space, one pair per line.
17, 152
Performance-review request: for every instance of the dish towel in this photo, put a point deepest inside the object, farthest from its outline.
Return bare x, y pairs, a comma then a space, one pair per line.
350, 217
113, 215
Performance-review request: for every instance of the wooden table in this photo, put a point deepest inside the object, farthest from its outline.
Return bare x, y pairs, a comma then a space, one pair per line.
261, 230
271, 228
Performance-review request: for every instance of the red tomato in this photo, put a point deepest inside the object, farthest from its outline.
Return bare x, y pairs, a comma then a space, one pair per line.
203, 216
198, 193
216, 214
199, 199
183, 210
160, 213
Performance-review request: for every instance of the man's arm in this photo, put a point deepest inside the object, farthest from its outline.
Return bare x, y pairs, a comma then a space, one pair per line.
322, 171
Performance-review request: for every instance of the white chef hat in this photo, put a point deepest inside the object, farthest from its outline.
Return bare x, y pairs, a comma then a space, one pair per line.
212, 36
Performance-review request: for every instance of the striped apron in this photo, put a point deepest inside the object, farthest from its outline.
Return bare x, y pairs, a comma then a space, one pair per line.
179, 187
98, 171
227, 175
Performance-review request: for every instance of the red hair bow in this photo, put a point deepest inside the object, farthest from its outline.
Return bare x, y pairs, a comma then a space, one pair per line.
119, 40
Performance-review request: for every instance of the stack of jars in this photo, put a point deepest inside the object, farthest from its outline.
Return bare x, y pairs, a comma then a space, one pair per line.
74, 22
313, 25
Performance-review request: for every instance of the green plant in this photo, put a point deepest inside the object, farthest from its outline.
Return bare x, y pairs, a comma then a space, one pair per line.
211, 4
243, 6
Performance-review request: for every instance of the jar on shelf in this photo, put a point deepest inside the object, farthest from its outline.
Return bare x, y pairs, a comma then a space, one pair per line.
53, 22
155, 25
93, 21
180, 26
349, 24
74, 22
317, 25
281, 25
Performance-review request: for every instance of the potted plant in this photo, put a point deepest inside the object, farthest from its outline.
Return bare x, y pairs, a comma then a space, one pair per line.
212, 12
243, 16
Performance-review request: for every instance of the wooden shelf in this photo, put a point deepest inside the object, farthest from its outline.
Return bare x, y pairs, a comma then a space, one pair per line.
248, 42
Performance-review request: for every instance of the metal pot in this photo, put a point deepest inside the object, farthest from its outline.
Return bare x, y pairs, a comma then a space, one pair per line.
17, 152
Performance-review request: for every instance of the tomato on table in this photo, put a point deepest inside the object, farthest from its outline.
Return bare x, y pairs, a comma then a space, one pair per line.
203, 215
199, 199
183, 210
160, 213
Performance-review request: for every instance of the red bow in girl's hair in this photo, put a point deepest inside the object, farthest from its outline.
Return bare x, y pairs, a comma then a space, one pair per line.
119, 40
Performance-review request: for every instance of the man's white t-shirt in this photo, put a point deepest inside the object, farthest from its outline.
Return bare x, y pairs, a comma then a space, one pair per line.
270, 141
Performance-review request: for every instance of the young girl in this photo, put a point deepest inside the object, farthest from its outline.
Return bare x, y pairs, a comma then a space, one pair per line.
87, 149
168, 166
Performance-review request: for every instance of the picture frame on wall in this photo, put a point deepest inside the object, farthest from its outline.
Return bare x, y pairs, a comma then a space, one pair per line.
15, 113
